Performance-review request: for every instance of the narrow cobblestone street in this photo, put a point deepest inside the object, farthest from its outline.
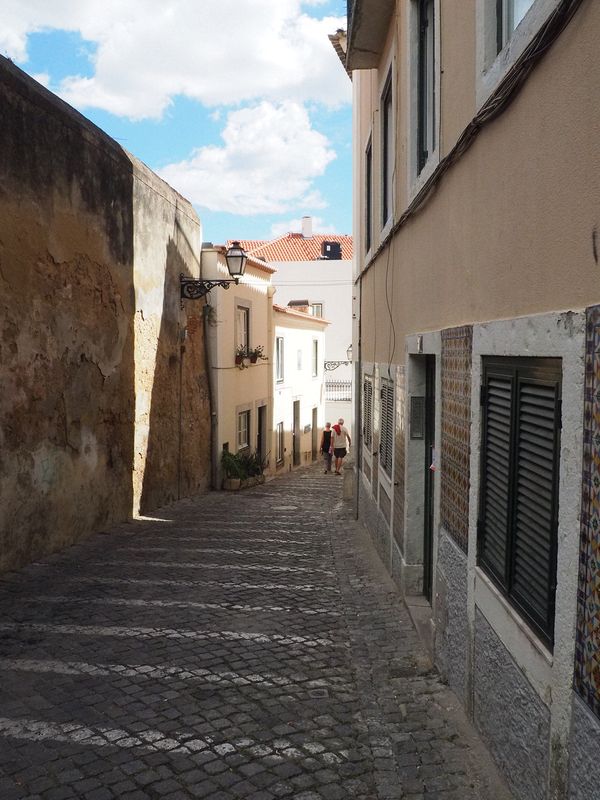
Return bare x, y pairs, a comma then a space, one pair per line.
240, 645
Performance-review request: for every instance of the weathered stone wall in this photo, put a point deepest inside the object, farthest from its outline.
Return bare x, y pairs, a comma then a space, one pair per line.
172, 419
70, 209
584, 767
513, 720
452, 627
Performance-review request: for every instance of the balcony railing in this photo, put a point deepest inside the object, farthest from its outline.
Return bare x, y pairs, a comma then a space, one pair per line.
338, 390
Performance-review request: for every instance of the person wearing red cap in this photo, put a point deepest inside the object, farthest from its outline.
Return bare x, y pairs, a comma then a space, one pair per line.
339, 435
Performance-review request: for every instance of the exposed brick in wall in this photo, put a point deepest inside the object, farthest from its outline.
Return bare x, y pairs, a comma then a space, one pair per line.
456, 431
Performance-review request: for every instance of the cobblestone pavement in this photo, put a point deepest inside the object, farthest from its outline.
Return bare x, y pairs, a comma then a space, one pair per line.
234, 646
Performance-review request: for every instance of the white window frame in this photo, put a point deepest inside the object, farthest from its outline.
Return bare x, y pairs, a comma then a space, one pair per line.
279, 443
418, 176
388, 150
316, 309
491, 65
315, 358
279, 364
368, 177
242, 326
243, 423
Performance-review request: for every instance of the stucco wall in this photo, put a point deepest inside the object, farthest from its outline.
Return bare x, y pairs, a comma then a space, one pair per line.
513, 219
72, 209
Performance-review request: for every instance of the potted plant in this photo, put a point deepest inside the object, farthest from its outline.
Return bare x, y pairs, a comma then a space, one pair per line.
240, 354
257, 352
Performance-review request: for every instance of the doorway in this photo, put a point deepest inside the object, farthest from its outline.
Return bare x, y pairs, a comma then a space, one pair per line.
315, 433
429, 475
261, 435
296, 434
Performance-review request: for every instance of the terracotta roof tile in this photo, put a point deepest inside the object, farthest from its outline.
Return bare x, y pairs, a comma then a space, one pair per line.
294, 247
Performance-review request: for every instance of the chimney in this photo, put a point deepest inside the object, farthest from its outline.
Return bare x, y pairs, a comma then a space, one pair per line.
307, 228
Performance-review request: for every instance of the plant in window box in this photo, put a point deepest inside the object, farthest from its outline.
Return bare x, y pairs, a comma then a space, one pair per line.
240, 354
256, 353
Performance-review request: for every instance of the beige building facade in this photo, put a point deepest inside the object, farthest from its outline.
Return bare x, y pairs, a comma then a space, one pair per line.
476, 264
239, 328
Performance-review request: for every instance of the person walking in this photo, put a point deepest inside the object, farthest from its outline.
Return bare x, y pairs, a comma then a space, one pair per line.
326, 447
339, 435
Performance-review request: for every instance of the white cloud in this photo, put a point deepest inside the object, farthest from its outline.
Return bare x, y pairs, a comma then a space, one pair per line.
42, 77
295, 226
269, 158
219, 52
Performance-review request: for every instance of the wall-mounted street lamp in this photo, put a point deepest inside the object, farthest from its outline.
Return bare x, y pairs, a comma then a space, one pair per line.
331, 365
192, 289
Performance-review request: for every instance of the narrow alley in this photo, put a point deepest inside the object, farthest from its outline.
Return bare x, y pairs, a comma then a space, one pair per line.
243, 645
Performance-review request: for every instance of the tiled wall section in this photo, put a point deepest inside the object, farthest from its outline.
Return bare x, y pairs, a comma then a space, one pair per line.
587, 652
399, 458
456, 431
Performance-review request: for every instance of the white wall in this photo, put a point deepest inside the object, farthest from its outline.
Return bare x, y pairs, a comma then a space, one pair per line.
298, 383
330, 283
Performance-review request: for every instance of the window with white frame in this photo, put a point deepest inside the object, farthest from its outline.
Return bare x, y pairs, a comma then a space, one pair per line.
386, 438
243, 430
279, 358
242, 324
315, 358
279, 443
387, 151
368, 411
426, 116
316, 309
509, 14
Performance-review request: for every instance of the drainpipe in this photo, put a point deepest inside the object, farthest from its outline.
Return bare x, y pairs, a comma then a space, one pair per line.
214, 456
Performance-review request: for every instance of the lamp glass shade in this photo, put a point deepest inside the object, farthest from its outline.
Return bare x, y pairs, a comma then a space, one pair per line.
349, 353
236, 260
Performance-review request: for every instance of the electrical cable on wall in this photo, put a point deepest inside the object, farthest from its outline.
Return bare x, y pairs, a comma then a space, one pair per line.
496, 104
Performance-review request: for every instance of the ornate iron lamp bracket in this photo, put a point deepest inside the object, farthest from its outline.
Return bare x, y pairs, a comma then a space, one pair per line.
331, 365
192, 289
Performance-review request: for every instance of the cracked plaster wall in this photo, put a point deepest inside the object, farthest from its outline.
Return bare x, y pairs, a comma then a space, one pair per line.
69, 216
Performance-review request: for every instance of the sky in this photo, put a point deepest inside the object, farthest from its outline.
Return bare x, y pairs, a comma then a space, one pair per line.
241, 105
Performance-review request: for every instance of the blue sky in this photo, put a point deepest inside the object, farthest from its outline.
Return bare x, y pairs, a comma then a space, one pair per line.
242, 106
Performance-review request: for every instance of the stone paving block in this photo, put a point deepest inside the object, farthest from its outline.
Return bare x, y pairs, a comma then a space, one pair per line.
250, 648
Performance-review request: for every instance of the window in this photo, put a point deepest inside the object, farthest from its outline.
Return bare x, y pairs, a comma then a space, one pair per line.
426, 141
316, 309
386, 441
368, 196
508, 15
387, 151
518, 504
279, 443
315, 358
243, 430
279, 358
242, 324
368, 412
